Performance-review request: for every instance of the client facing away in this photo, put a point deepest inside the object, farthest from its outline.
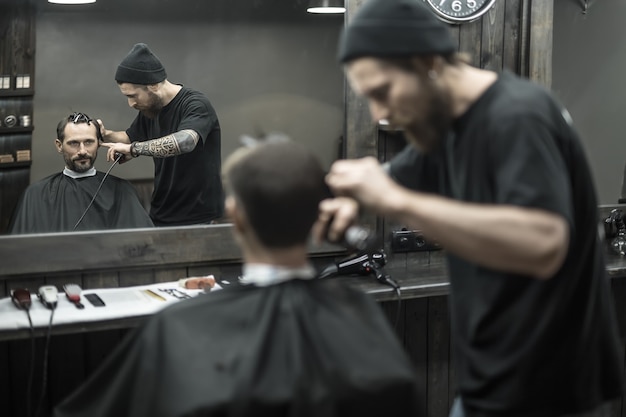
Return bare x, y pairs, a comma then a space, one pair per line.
284, 343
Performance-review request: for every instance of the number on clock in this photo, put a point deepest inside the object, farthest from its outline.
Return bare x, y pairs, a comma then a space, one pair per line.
458, 11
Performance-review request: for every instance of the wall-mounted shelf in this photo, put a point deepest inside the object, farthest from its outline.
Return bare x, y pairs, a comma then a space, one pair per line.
11, 165
17, 93
16, 129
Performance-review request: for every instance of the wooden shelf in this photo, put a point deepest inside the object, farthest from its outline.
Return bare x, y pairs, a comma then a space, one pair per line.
11, 165
16, 129
17, 93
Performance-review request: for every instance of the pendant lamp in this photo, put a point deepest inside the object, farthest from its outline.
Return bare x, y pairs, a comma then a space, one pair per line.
326, 6
71, 1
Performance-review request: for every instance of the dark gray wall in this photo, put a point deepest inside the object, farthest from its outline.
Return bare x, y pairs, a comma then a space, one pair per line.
263, 70
589, 67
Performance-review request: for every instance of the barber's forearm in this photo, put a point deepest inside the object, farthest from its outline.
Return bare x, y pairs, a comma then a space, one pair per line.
115, 137
175, 144
514, 239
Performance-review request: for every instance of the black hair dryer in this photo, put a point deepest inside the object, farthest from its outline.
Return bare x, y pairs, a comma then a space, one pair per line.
615, 229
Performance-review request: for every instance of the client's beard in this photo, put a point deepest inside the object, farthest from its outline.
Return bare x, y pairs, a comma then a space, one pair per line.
71, 164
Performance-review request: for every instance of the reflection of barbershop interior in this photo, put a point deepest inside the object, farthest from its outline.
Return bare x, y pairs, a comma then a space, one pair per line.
273, 208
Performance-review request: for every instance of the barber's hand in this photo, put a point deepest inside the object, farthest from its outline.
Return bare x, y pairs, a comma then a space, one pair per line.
362, 179
117, 148
335, 216
103, 131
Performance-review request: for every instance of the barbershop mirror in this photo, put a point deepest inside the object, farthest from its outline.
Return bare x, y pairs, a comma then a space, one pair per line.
266, 65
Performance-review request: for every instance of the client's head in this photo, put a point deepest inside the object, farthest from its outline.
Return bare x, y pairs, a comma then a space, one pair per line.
273, 193
78, 138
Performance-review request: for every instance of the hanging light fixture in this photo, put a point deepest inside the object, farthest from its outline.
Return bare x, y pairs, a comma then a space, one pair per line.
326, 6
71, 1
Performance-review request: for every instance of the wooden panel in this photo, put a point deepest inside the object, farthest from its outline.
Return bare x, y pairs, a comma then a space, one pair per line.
416, 344
170, 274
13, 182
12, 142
395, 312
470, 35
23, 42
5, 378
17, 57
512, 36
438, 356
101, 280
20, 365
493, 38
540, 45
99, 345
17, 38
140, 277
6, 17
60, 280
66, 368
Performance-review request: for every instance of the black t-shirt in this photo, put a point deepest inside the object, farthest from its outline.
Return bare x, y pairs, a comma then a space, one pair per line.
187, 187
525, 346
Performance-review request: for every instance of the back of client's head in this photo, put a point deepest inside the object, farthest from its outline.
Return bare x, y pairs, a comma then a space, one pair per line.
279, 187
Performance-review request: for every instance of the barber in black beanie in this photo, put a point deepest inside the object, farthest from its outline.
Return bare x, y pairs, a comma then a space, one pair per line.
178, 127
495, 172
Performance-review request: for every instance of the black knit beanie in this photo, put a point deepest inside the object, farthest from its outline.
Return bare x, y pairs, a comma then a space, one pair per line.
394, 28
140, 66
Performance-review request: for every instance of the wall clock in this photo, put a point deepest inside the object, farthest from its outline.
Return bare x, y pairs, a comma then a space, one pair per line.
460, 11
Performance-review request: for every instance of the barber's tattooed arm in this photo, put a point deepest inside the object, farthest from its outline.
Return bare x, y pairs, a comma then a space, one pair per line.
177, 143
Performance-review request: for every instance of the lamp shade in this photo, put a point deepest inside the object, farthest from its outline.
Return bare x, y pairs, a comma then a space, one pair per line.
326, 6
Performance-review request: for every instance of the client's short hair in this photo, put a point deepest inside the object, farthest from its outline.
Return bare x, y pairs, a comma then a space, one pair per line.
77, 118
279, 186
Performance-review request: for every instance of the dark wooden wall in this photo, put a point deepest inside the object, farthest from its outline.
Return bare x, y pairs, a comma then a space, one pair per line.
17, 53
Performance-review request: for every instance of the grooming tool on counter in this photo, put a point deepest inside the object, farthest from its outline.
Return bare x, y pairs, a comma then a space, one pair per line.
154, 295
48, 295
21, 298
73, 291
175, 293
95, 300
197, 283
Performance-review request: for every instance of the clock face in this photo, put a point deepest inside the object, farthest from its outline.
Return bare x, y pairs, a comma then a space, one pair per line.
456, 11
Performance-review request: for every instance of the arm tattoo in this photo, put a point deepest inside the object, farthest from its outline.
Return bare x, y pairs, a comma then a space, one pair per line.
177, 143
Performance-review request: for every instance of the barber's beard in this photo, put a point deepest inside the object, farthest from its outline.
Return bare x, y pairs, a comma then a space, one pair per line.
153, 107
427, 132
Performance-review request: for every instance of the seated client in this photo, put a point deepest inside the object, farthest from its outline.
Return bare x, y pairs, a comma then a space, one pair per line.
283, 343
57, 202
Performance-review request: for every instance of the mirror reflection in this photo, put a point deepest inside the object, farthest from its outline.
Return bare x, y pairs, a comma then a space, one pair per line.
265, 65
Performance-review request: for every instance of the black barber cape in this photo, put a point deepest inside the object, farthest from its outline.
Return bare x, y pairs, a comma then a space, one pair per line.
55, 204
300, 348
